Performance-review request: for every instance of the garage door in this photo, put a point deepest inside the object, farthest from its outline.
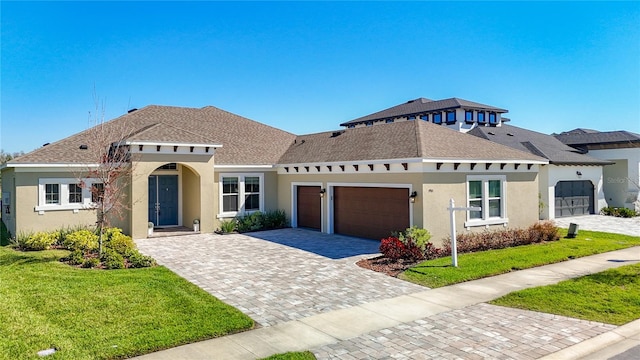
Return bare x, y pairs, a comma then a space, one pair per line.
574, 198
370, 212
309, 207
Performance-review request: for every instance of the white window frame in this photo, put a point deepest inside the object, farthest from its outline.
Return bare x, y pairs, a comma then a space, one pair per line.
486, 219
241, 194
63, 188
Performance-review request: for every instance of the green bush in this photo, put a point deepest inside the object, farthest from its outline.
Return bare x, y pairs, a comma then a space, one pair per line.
114, 239
90, 262
137, 260
112, 260
274, 219
76, 257
619, 212
37, 241
251, 222
419, 236
228, 226
83, 240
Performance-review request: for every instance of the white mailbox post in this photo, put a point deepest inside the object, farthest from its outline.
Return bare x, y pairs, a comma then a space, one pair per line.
452, 217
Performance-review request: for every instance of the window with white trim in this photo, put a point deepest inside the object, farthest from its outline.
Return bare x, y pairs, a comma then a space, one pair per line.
64, 194
488, 193
75, 194
241, 194
52, 193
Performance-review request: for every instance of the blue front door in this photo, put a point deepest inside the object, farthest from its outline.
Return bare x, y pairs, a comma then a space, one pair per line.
163, 200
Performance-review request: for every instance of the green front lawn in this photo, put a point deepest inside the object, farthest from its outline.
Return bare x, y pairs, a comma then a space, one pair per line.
612, 297
439, 272
99, 314
306, 355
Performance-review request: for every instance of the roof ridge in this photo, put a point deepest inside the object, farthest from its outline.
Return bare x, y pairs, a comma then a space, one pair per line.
534, 149
187, 131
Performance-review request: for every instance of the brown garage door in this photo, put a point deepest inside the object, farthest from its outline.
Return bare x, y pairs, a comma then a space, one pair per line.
370, 212
309, 207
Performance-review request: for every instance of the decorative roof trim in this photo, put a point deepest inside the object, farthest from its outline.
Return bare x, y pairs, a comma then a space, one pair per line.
157, 143
502, 161
47, 165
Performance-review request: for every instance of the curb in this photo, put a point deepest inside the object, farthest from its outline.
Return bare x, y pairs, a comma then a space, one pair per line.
597, 343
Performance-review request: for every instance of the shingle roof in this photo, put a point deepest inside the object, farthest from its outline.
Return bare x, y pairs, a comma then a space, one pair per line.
245, 142
535, 143
422, 105
592, 137
402, 140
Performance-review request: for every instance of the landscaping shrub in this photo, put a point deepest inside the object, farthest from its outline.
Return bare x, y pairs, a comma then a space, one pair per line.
394, 248
83, 240
37, 241
137, 260
411, 245
619, 212
275, 219
228, 226
114, 239
251, 222
76, 257
90, 262
418, 235
500, 239
112, 260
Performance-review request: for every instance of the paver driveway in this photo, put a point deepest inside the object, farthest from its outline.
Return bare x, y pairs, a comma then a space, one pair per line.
273, 282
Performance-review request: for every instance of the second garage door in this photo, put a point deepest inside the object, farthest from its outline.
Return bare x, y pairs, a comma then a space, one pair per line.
370, 212
574, 198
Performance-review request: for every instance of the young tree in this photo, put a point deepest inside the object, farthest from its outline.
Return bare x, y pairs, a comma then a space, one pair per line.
109, 168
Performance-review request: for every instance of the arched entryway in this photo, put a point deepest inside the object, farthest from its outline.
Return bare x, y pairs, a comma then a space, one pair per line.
173, 196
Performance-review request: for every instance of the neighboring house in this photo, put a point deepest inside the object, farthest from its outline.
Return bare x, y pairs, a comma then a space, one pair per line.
210, 165
572, 183
457, 114
622, 179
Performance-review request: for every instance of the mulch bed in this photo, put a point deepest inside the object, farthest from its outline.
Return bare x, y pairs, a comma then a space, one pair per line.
385, 265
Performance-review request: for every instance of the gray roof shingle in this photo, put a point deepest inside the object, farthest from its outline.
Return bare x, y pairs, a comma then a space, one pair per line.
402, 140
422, 105
535, 143
591, 137
245, 142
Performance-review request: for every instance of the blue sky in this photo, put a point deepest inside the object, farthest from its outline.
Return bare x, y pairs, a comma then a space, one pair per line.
306, 67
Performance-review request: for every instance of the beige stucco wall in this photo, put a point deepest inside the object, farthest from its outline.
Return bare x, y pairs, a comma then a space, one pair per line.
198, 201
520, 193
25, 200
434, 191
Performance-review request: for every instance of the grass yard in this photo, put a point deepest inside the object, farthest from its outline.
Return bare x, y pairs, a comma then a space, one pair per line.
306, 355
612, 297
471, 266
98, 314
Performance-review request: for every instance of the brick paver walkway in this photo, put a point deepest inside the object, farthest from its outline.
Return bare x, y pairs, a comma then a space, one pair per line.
480, 331
610, 224
274, 283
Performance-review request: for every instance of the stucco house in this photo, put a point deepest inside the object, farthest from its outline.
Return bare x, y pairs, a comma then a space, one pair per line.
209, 164
572, 183
621, 179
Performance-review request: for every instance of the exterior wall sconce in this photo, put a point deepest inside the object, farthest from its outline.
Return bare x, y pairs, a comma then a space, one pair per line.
413, 196
579, 173
322, 191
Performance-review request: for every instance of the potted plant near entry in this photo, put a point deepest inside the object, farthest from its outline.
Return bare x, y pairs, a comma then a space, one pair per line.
150, 229
196, 225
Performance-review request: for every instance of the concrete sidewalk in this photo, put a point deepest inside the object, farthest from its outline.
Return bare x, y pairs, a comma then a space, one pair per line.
435, 323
